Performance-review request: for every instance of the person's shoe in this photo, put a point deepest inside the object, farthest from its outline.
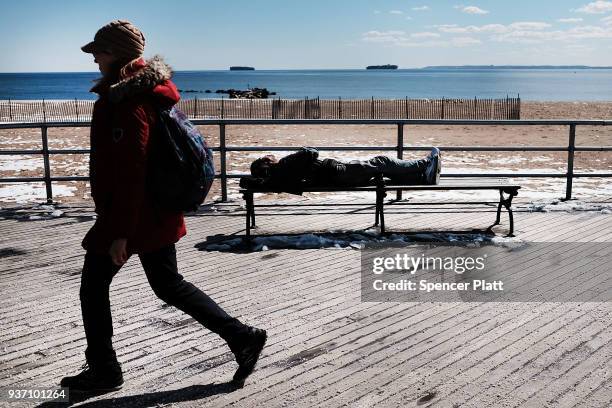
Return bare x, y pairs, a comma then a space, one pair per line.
248, 353
95, 379
432, 172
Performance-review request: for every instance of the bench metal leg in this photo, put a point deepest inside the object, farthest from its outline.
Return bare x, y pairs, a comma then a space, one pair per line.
380, 201
380, 211
377, 215
250, 213
499, 207
506, 203
382, 216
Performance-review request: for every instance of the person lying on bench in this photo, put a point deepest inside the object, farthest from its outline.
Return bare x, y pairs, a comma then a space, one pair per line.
304, 168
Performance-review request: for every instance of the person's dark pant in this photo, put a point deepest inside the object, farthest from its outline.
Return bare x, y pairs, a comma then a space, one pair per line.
359, 172
161, 270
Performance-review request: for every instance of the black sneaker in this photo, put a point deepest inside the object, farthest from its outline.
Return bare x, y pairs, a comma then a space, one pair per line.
100, 378
432, 172
248, 353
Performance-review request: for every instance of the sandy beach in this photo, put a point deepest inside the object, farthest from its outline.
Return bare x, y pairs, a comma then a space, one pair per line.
336, 135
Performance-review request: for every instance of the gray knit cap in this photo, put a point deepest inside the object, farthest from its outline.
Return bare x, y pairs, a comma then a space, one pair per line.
120, 37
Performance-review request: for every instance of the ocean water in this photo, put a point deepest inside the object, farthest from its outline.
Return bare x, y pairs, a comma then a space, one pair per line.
530, 84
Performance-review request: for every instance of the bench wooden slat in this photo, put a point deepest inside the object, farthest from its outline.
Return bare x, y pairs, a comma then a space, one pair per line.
474, 183
454, 187
310, 190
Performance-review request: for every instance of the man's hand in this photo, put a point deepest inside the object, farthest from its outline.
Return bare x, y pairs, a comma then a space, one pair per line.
117, 251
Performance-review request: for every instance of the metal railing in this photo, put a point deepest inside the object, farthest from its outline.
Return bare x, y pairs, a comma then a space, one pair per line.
223, 148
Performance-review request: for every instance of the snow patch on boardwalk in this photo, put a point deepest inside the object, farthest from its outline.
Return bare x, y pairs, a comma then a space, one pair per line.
569, 206
347, 240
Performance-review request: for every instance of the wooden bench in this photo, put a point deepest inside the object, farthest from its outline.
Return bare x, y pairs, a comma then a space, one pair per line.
507, 192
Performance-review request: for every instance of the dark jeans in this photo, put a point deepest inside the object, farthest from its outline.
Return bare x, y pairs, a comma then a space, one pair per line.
161, 270
359, 172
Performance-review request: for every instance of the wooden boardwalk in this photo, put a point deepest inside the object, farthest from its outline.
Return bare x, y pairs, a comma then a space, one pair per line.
325, 347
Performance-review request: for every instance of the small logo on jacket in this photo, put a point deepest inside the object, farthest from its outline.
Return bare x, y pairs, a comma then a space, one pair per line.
117, 134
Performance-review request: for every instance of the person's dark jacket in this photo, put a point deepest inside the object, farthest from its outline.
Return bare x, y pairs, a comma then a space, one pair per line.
122, 124
296, 168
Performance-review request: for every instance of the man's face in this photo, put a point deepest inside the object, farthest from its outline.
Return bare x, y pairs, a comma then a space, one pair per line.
104, 60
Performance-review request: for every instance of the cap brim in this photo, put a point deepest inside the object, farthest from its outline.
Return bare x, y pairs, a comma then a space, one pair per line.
90, 48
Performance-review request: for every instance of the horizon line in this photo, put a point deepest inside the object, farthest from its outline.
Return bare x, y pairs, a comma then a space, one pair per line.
473, 66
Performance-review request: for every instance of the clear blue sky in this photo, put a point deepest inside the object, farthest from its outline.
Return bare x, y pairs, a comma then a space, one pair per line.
37, 35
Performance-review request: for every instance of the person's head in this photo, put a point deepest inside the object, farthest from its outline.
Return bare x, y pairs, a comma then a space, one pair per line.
261, 167
114, 45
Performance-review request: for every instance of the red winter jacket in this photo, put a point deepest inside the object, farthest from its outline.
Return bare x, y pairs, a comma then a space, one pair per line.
122, 124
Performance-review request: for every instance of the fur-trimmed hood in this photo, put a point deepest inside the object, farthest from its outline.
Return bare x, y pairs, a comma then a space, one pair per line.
137, 77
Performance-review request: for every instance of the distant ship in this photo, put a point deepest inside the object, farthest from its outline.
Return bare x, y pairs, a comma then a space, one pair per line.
387, 66
242, 69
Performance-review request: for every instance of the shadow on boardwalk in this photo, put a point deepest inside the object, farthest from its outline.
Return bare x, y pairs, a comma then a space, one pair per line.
191, 393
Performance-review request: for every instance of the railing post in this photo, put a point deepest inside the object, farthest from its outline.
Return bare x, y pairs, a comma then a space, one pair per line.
339, 107
222, 100
372, 108
195, 113
442, 113
400, 151
571, 148
10, 111
45, 148
44, 111
223, 161
76, 109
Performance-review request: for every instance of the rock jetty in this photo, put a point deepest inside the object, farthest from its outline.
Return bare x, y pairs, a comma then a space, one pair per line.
251, 93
